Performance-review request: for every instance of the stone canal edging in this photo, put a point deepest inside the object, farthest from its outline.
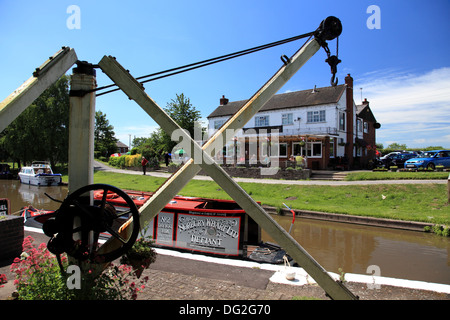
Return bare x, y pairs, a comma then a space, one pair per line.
368, 221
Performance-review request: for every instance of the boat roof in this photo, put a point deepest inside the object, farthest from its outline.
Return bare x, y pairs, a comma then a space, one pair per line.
40, 164
203, 205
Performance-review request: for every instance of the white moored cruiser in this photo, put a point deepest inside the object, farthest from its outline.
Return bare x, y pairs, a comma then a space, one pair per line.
39, 174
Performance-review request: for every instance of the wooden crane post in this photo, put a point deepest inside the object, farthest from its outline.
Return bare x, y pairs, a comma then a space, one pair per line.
81, 126
43, 77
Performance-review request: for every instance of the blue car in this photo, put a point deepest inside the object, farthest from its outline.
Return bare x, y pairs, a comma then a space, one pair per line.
429, 160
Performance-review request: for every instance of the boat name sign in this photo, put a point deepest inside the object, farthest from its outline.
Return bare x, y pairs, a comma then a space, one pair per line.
207, 233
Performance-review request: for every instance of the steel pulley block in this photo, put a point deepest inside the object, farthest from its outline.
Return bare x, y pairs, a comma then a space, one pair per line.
329, 29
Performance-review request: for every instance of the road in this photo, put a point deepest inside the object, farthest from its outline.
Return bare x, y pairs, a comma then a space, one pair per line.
102, 167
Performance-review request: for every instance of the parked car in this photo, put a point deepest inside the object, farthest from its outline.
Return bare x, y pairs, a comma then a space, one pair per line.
429, 160
389, 155
398, 159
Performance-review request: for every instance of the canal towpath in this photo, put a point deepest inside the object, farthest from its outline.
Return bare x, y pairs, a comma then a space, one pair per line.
98, 166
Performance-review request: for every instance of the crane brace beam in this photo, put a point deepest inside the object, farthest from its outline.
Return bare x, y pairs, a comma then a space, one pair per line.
43, 77
178, 180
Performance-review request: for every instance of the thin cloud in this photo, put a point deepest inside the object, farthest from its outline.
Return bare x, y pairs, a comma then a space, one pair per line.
412, 109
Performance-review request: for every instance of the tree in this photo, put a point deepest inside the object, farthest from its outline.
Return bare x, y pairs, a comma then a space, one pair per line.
41, 132
182, 112
379, 146
397, 146
149, 147
179, 109
105, 143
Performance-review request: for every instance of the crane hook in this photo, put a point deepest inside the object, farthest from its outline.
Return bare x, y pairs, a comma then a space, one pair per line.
333, 61
334, 80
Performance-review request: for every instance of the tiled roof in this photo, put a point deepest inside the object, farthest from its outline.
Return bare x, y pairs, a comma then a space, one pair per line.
121, 144
363, 111
321, 96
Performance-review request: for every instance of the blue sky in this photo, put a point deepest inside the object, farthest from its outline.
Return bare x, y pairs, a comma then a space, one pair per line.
402, 67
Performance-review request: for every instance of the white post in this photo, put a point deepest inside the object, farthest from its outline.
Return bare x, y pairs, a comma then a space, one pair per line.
81, 127
448, 189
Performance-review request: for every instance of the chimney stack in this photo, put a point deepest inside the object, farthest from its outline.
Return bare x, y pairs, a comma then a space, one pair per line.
223, 101
365, 102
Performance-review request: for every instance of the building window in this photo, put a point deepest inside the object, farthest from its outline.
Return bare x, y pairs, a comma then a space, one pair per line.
287, 119
359, 125
282, 150
310, 149
218, 124
342, 121
315, 149
316, 116
297, 149
331, 148
261, 121
366, 127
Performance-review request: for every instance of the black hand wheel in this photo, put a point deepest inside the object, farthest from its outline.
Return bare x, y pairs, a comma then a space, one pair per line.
81, 220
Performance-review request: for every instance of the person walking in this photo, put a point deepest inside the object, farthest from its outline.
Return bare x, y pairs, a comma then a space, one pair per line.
144, 164
167, 158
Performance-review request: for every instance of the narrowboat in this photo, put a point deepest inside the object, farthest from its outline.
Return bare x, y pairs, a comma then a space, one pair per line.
39, 174
193, 224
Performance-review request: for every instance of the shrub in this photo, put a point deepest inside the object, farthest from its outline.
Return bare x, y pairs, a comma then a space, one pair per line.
38, 277
153, 162
125, 161
113, 161
3, 279
441, 231
37, 274
132, 160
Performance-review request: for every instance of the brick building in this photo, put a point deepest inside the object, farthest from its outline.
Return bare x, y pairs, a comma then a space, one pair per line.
323, 125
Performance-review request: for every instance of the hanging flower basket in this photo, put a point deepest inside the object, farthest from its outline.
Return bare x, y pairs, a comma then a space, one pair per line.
302, 143
140, 256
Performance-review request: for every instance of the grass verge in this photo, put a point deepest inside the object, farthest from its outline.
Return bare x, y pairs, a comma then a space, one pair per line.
415, 202
370, 175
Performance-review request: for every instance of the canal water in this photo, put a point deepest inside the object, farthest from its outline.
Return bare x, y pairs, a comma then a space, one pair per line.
336, 246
